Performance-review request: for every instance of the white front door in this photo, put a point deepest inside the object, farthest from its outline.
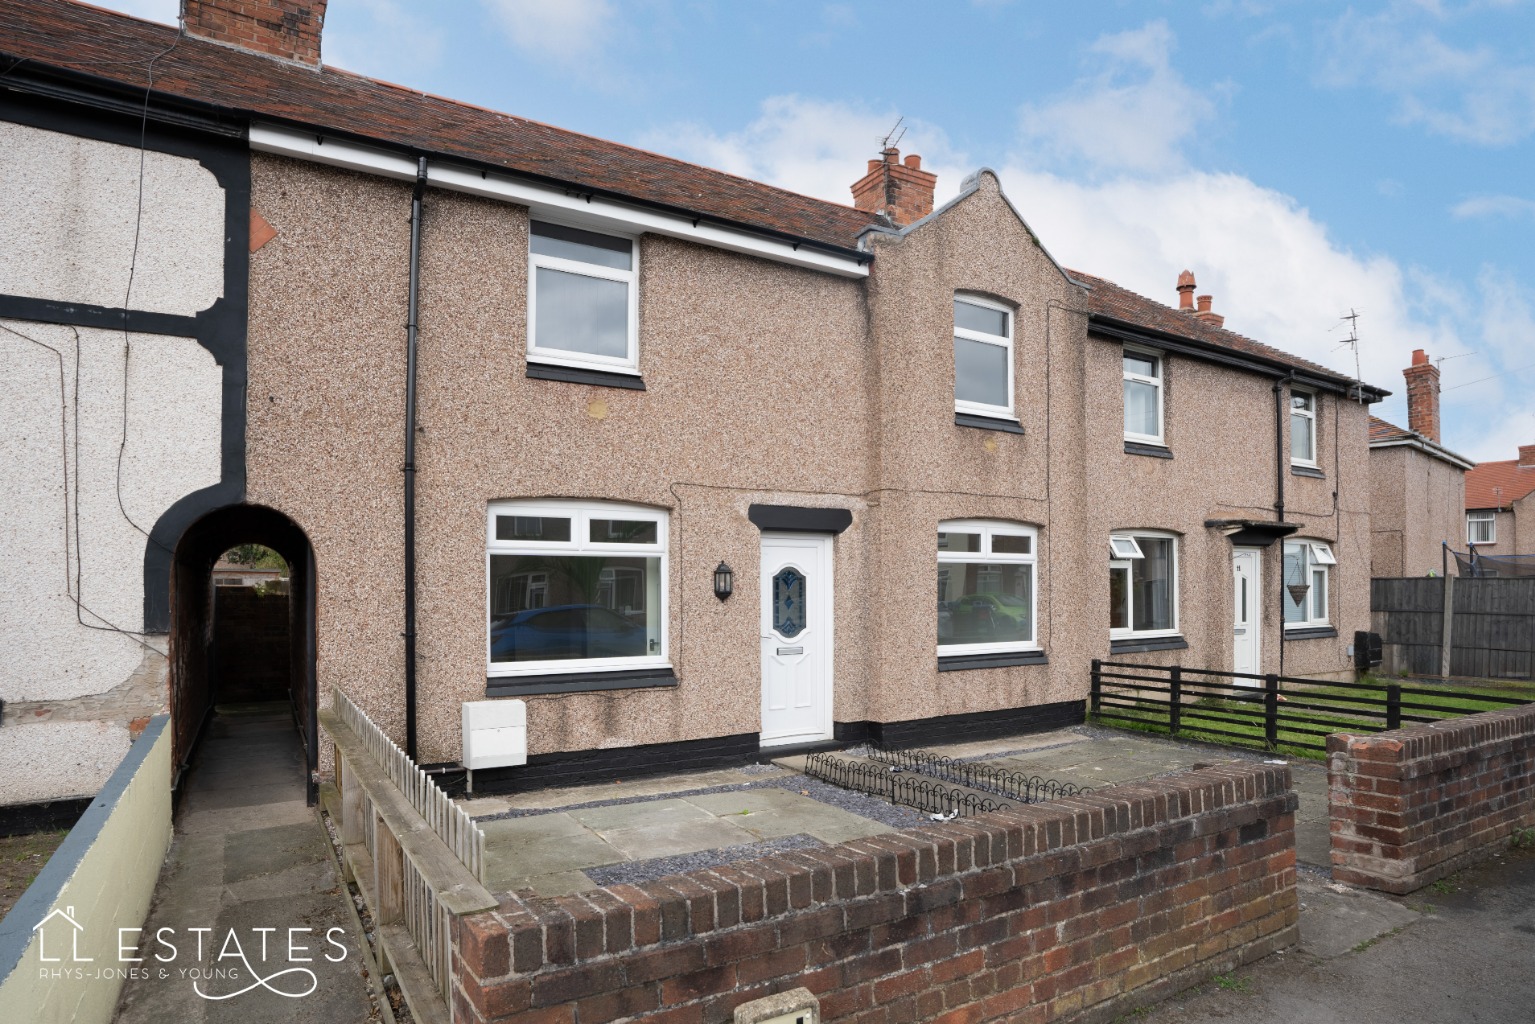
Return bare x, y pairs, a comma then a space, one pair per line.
1246, 613
796, 638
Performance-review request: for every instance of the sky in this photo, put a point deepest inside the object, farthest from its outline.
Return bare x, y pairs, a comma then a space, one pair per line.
1304, 160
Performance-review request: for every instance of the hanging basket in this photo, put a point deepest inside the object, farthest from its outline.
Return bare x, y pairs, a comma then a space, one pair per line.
1298, 592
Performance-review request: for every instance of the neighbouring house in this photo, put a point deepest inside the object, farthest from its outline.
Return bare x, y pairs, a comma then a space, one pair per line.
1418, 487
695, 464
1498, 505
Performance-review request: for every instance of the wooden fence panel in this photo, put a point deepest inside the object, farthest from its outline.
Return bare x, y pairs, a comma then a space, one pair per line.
1492, 631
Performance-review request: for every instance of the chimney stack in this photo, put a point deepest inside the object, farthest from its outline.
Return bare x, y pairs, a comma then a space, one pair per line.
1423, 396
1527, 456
902, 191
287, 29
1203, 312
1186, 291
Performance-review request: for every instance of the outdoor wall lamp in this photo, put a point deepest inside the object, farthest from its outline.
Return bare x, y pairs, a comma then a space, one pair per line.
724, 581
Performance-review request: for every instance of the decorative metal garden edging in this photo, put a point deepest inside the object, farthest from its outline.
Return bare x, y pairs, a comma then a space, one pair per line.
884, 781
1029, 789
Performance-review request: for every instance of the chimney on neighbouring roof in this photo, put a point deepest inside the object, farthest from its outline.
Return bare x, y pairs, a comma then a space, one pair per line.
1186, 290
901, 191
1527, 456
1204, 313
1423, 396
289, 29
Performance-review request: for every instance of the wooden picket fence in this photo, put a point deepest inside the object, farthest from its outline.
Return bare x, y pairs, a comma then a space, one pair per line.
417, 858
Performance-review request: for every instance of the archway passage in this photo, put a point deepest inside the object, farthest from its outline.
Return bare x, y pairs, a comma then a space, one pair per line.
198, 644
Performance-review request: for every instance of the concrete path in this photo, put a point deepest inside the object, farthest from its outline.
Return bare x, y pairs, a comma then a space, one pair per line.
551, 853
1456, 952
250, 861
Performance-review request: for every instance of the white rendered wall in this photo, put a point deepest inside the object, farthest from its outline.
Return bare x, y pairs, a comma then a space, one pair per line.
80, 501
69, 217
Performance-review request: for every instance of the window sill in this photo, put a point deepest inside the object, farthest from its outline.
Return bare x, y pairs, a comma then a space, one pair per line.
1005, 659
580, 682
1141, 645
1307, 471
1310, 632
965, 419
576, 375
1156, 451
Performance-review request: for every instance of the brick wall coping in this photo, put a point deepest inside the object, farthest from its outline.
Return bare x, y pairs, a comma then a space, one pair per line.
855, 884
1485, 733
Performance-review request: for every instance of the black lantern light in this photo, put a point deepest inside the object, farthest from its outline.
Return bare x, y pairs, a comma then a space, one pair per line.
724, 581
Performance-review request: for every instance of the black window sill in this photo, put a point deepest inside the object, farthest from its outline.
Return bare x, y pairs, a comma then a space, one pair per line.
575, 375
579, 682
1156, 451
1135, 645
1310, 633
964, 419
1307, 471
1005, 659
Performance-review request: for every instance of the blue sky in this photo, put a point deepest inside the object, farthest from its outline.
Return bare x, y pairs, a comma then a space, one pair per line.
1303, 159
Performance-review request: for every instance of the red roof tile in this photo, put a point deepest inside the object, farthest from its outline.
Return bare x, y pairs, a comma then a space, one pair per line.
1498, 484
121, 49
1110, 300
1380, 430
117, 47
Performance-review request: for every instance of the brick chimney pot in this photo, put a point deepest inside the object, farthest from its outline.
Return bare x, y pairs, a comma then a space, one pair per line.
902, 192
287, 29
1423, 396
1186, 290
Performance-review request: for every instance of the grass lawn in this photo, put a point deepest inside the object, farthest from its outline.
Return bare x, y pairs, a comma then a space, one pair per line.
21, 858
1307, 712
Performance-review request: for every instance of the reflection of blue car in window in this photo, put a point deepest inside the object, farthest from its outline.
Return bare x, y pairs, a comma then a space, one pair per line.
987, 617
565, 631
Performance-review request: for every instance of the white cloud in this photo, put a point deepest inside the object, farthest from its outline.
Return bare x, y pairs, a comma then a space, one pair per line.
815, 147
1474, 94
380, 38
563, 31
1133, 115
1506, 207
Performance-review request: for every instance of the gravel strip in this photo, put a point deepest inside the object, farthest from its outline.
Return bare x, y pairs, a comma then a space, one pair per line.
636, 871
842, 799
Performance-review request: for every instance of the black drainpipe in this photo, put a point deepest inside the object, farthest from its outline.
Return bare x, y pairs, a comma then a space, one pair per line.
1280, 386
410, 459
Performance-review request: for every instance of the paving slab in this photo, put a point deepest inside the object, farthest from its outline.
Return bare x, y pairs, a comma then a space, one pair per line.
544, 857
677, 837
649, 814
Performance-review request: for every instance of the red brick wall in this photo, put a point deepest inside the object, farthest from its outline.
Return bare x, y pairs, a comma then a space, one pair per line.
250, 645
1088, 906
1416, 804
282, 28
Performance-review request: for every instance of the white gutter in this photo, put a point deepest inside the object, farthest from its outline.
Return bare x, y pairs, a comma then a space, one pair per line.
544, 200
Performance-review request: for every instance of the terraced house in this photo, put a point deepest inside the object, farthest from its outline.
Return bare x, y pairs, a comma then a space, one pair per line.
691, 464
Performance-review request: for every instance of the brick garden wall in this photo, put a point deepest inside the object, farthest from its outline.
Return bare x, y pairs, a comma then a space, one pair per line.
1081, 908
1415, 805
250, 645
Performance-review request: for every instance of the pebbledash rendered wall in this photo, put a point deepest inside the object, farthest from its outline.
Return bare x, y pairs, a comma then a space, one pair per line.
765, 384
1417, 505
1083, 908
1414, 805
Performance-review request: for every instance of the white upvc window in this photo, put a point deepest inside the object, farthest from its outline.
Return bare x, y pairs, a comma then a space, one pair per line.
983, 357
583, 303
1307, 568
987, 587
1302, 428
1143, 584
1481, 527
575, 586
1143, 396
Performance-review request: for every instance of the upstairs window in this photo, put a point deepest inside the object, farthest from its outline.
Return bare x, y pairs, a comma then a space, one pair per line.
582, 305
1307, 564
986, 587
1143, 584
1302, 428
983, 358
1481, 527
1143, 396
575, 586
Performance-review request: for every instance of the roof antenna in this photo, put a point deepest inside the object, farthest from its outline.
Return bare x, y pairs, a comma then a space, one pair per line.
894, 136
1352, 316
